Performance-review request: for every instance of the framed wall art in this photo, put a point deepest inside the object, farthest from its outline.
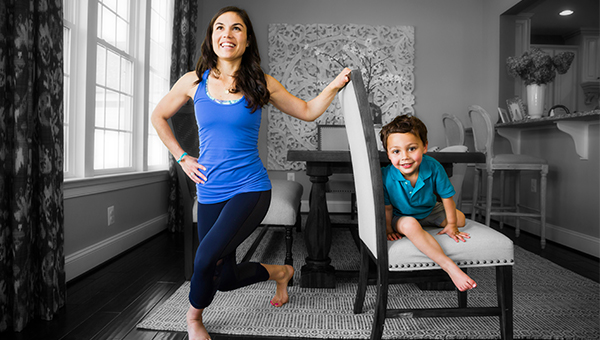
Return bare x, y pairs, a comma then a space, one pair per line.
504, 116
516, 108
306, 57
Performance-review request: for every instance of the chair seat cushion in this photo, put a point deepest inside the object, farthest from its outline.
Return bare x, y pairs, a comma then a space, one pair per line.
517, 159
486, 247
285, 202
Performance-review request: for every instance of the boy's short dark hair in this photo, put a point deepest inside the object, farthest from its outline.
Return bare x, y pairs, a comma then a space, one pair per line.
404, 124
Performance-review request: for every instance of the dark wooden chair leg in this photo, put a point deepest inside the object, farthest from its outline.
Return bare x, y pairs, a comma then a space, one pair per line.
255, 244
381, 304
462, 296
504, 285
462, 299
363, 278
289, 240
299, 220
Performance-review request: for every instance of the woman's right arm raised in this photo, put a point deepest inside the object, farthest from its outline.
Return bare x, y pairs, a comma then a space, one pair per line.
168, 106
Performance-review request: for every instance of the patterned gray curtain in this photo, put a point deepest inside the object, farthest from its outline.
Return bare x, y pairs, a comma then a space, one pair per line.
182, 61
32, 271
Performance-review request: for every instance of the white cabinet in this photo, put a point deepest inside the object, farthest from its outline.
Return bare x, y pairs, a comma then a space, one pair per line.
590, 68
588, 41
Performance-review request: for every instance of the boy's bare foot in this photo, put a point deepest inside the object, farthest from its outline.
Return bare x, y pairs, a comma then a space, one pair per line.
282, 277
195, 327
461, 280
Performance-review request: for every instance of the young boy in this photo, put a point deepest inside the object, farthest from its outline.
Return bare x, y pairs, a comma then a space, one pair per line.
411, 185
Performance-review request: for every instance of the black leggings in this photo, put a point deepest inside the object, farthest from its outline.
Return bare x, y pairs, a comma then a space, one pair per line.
222, 227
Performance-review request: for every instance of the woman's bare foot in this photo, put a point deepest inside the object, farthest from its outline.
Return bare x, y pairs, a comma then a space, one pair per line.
461, 280
195, 327
282, 275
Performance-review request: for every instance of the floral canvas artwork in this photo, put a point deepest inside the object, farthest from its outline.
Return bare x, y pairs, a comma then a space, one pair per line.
305, 58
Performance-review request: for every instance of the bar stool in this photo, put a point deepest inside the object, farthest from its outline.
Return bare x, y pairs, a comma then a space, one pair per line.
483, 132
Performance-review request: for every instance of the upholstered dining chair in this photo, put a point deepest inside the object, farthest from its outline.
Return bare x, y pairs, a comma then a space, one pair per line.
454, 131
486, 248
284, 209
483, 132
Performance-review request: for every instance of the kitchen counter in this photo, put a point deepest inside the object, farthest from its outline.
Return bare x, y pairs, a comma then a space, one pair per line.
575, 125
578, 116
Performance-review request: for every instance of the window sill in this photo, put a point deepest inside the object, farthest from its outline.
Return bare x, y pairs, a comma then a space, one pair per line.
78, 187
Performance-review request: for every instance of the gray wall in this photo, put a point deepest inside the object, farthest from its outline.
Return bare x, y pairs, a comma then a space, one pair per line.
140, 209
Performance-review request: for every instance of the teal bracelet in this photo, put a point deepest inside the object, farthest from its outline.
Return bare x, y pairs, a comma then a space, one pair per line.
180, 158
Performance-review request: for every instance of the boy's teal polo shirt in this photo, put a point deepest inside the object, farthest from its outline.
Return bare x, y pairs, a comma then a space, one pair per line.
420, 200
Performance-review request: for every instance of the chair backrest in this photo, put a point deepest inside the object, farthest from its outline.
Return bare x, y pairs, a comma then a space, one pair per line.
185, 129
454, 129
483, 131
366, 165
458, 173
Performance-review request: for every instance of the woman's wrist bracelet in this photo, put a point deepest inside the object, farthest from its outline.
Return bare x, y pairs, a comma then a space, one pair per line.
180, 158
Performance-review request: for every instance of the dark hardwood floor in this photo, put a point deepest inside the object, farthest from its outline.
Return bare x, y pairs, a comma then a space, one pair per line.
108, 302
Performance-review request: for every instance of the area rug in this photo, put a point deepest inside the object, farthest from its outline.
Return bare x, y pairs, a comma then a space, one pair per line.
550, 302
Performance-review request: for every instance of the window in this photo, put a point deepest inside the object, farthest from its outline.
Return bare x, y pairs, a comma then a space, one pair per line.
114, 77
68, 27
160, 69
117, 61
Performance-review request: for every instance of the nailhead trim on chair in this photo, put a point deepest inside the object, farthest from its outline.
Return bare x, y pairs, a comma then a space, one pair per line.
461, 263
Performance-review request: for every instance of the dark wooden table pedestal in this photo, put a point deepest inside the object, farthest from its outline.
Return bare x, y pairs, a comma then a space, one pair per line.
318, 272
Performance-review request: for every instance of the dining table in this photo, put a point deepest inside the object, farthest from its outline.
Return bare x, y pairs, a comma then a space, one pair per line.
320, 165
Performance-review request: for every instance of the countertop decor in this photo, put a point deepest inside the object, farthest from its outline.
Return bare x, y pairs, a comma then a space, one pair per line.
588, 115
537, 69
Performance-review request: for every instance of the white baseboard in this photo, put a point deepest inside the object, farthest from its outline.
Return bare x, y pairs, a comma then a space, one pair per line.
566, 237
96, 254
569, 238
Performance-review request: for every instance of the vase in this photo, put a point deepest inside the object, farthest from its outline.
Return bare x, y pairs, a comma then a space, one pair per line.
536, 97
376, 113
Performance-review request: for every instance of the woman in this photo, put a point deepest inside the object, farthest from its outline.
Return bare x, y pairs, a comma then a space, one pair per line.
229, 90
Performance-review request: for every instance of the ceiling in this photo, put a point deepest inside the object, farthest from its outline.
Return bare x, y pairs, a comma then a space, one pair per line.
546, 21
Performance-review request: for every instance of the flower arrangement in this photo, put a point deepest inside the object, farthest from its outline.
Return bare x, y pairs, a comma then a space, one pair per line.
537, 67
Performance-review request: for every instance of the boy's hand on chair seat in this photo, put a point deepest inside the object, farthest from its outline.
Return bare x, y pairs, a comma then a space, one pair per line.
453, 232
393, 236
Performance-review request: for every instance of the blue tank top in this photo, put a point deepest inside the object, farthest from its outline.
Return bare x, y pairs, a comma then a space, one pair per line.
228, 133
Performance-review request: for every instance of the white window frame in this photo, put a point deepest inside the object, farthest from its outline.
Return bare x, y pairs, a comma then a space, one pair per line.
168, 42
81, 126
68, 98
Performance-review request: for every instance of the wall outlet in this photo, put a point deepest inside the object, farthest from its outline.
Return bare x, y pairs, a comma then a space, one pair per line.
111, 215
291, 176
533, 185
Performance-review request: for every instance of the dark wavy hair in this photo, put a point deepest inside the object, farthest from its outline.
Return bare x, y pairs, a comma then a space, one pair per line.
249, 78
404, 124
